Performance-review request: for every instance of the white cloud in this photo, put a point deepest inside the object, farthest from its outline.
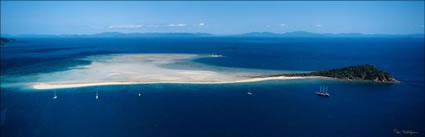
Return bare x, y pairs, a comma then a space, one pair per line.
201, 24
148, 26
176, 25
284, 25
318, 25
152, 25
125, 26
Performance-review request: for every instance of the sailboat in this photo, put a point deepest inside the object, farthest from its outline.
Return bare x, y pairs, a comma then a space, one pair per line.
249, 92
97, 96
323, 92
54, 96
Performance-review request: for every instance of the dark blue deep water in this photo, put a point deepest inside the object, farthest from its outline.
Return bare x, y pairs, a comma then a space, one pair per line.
277, 108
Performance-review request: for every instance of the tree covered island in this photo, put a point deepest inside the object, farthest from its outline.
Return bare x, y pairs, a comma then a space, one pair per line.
357, 72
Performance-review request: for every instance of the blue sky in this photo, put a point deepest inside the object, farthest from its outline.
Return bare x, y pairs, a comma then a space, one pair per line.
87, 17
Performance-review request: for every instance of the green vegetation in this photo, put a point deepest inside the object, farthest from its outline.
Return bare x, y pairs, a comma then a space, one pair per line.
357, 72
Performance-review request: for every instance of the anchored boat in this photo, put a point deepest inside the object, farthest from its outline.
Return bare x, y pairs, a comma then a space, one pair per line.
323, 92
54, 96
97, 96
249, 94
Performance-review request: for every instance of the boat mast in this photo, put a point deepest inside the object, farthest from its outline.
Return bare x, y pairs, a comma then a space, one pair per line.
326, 90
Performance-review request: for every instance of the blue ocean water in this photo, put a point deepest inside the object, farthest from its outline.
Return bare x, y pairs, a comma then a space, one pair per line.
277, 108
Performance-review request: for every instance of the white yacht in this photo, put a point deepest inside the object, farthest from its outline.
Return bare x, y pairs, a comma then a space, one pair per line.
323, 92
54, 96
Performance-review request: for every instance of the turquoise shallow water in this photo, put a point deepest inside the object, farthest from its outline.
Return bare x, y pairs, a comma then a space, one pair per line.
276, 108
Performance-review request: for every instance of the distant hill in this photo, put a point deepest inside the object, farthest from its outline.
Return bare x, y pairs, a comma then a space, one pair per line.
357, 72
252, 34
311, 34
5, 40
287, 34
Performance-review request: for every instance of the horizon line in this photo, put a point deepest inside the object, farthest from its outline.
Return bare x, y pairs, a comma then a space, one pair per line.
211, 33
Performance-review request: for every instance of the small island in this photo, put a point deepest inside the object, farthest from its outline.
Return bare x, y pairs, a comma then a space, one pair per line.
364, 72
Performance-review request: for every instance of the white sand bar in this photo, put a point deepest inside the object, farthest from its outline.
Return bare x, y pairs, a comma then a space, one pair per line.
125, 69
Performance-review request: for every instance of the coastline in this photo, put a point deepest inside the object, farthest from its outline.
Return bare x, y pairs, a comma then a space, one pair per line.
87, 84
52, 85
131, 69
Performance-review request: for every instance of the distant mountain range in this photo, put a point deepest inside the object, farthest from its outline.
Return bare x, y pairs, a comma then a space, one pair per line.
252, 34
5, 40
311, 34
